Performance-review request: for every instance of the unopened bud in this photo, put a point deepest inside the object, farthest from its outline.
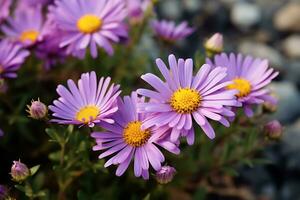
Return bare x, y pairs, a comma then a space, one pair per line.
273, 130
37, 109
165, 174
3, 86
269, 107
19, 171
3, 192
214, 44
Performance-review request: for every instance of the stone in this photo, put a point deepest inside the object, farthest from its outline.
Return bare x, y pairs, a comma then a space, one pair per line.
288, 17
293, 71
288, 101
244, 15
263, 51
291, 139
291, 46
171, 9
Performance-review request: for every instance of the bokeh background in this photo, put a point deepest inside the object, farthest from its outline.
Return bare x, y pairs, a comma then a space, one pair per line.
263, 28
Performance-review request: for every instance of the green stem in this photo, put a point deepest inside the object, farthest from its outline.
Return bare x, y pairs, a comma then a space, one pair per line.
62, 187
29, 191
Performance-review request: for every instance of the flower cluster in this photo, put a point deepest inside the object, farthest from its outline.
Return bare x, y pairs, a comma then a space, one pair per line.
136, 127
75, 27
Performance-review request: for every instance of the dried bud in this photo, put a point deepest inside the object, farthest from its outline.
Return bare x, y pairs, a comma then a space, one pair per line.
165, 174
135, 11
269, 107
3, 86
214, 44
37, 110
19, 171
3, 192
273, 130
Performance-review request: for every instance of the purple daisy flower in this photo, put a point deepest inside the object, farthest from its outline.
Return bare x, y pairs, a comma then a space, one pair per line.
48, 50
25, 27
249, 76
90, 23
168, 31
4, 9
136, 9
1, 133
89, 103
33, 3
127, 141
12, 56
184, 96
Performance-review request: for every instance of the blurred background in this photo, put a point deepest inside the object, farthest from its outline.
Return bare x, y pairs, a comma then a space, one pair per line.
263, 28
268, 29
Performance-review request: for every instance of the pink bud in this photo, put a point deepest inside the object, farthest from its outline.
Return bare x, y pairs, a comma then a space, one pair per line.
165, 174
37, 110
19, 171
273, 130
215, 43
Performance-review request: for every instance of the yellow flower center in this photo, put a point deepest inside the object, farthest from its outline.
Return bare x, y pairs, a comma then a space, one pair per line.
185, 100
30, 35
89, 24
134, 135
242, 85
87, 114
1, 69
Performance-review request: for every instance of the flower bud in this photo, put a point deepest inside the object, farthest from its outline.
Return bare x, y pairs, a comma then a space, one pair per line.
273, 130
1, 133
214, 44
3, 192
37, 110
3, 86
269, 107
165, 174
19, 171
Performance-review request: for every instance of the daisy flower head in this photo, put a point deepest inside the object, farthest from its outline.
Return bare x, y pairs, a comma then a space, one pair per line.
125, 140
29, 4
169, 32
90, 24
86, 104
136, 9
249, 76
48, 50
183, 97
26, 26
4, 9
12, 56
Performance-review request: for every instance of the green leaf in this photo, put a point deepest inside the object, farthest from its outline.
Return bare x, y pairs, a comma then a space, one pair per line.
81, 195
230, 171
147, 197
34, 169
28, 191
248, 162
40, 194
53, 135
200, 194
55, 156
262, 161
20, 187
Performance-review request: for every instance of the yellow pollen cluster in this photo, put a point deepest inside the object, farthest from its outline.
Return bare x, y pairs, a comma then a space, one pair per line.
134, 135
29, 35
242, 85
1, 69
87, 114
185, 100
89, 24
